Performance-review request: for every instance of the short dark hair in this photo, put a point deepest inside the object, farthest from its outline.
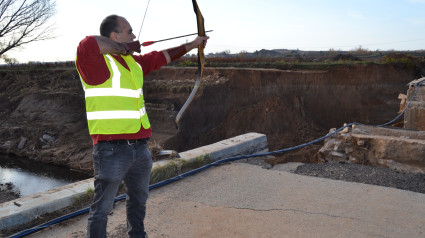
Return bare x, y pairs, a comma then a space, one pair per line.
109, 25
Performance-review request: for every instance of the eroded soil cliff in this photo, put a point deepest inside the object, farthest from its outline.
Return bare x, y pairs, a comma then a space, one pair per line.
42, 110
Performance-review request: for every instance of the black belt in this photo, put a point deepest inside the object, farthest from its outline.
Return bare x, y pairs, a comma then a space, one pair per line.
126, 142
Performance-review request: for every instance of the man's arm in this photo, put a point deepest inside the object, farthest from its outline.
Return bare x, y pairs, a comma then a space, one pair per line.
108, 46
177, 52
155, 60
90, 63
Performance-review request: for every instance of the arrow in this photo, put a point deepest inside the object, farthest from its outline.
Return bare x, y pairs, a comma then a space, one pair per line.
147, 43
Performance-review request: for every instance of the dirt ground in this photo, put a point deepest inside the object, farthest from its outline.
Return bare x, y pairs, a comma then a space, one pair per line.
43, 116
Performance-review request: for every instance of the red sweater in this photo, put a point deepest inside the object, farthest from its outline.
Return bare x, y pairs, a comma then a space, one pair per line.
92, 68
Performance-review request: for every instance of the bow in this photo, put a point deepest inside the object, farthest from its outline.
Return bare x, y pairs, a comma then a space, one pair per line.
201, 61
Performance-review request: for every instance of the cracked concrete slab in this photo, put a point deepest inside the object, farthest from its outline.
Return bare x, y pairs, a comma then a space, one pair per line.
245, 200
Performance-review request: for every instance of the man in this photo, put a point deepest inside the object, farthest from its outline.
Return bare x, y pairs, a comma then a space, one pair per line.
112, 79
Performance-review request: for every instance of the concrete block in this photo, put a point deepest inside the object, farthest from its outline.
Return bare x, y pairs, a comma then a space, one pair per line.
250, 143
38, 204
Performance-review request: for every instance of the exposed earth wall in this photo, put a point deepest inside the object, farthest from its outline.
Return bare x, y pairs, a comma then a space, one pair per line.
43, 117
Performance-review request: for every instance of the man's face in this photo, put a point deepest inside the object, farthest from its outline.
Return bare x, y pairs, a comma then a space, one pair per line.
125, 32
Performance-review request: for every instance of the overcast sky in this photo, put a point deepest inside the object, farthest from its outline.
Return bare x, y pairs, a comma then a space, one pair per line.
243, 25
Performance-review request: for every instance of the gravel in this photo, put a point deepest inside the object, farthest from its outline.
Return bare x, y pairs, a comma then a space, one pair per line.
365, 174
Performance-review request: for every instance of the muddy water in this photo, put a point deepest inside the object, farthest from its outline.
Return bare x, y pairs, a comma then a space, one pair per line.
29, 177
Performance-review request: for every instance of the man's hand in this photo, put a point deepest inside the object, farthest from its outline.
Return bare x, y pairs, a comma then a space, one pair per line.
177, 52
201, 39
198, 41
133, 46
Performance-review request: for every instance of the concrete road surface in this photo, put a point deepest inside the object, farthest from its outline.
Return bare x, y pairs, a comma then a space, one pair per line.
244, 200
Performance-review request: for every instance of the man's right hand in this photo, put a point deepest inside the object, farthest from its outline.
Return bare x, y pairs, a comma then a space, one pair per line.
133, 46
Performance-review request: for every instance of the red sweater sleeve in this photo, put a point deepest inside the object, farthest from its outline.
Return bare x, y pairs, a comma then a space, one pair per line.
90, 63
151, 61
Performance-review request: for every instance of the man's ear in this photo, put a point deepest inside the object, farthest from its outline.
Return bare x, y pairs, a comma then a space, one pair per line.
113, 36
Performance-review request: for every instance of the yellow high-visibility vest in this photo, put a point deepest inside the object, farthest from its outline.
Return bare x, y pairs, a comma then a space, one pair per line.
117, 106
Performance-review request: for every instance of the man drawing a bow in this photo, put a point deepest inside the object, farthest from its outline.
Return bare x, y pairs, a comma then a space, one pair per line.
112, 78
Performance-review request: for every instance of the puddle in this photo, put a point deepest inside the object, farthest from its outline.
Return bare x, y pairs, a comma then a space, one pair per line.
30, 177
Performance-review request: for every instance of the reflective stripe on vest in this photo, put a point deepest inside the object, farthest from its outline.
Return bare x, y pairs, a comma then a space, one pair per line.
115, 114
117, 105
96, 92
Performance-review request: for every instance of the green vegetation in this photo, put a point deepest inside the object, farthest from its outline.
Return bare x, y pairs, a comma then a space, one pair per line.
84, 199
271, 59
187, 63
407, 61
306, 60
177, 166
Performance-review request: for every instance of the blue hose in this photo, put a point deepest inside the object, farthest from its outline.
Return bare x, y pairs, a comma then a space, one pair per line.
215, 163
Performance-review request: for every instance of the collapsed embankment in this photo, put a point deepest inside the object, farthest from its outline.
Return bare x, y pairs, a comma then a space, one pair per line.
42, 111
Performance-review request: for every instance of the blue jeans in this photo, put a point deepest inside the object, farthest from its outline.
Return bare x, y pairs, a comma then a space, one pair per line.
114, 162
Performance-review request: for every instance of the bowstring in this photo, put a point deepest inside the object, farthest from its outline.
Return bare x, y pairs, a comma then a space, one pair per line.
143, 20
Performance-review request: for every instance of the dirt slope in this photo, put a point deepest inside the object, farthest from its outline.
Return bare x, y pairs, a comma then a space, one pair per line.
291, 107
46, 107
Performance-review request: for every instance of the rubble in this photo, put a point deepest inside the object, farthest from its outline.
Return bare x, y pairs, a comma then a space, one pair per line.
398, 149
